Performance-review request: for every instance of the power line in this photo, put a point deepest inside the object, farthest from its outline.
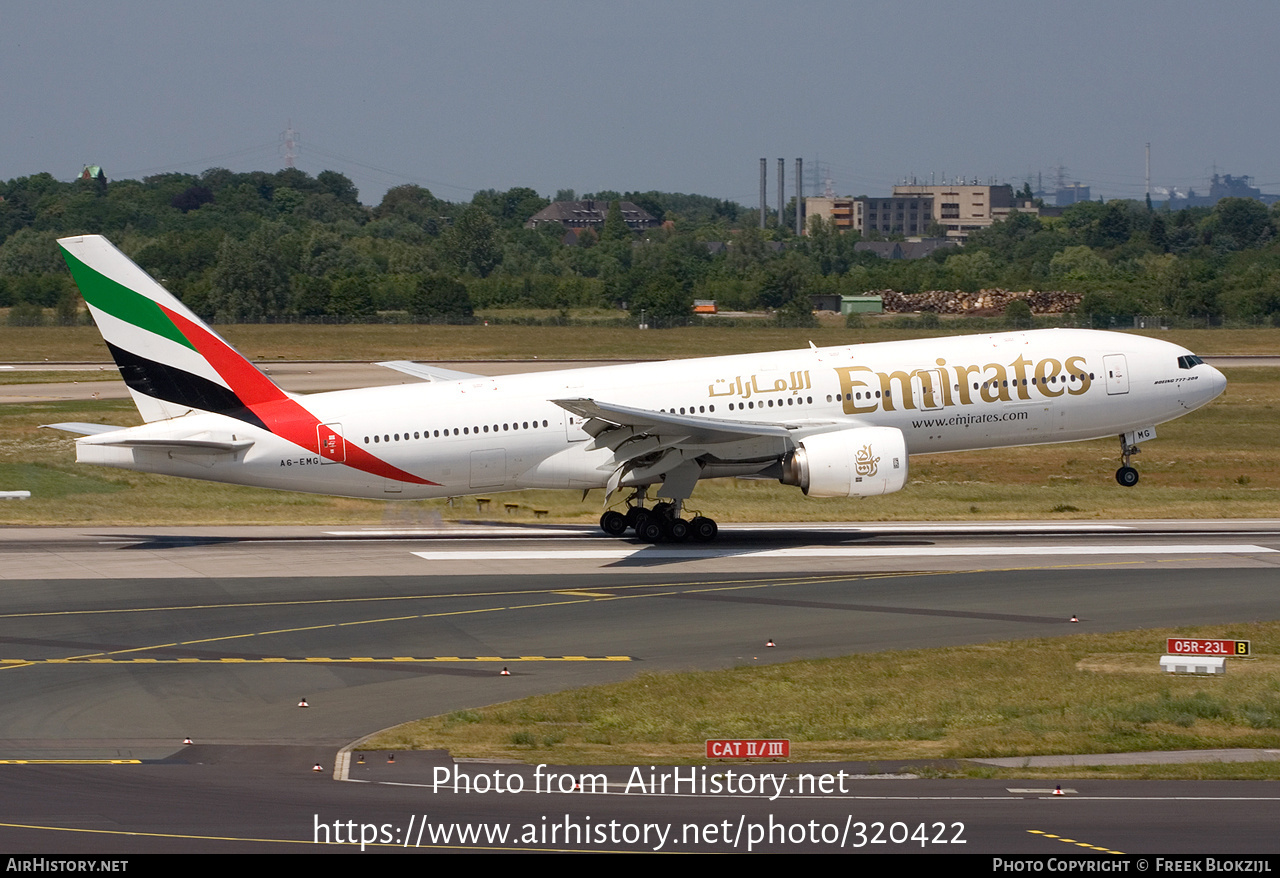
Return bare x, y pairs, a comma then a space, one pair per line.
396, 175
206, 162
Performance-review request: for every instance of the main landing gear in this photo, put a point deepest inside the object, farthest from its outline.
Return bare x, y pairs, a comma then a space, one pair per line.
1127, 475
658, 524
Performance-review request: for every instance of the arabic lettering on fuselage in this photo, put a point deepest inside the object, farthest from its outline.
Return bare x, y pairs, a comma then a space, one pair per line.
863, 389
752, 387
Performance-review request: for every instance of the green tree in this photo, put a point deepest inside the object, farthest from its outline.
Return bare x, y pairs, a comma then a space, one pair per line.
412, 203
783, 281
517, 205
1157, 234
1113, 226
1018, 313
28, 251
287, 200
972, 271
1080, 268
68, 307
440, 299
797, 312
662, 300
191, 198
339, 186
615, 227
352, 297
471, 242
311, 295
831, 249
249, 279
1242, 221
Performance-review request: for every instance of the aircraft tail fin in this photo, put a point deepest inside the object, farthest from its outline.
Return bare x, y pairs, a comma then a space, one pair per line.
171, 361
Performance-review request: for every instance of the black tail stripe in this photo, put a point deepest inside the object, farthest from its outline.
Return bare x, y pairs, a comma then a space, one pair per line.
180, 387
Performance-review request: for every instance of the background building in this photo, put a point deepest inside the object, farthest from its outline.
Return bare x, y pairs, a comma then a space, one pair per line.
889, 216
591, 215
912, 210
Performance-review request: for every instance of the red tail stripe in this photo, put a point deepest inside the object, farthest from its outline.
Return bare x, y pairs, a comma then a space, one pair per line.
283, 416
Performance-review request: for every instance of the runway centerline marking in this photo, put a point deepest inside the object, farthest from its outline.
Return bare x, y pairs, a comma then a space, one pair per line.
787, 580
662, 590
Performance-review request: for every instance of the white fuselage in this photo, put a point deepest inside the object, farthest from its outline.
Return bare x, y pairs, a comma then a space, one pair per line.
480, 435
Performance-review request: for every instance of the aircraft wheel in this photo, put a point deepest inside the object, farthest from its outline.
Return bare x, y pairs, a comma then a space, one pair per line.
677, 530
613, 523
649, 530
1127, 476
703, 530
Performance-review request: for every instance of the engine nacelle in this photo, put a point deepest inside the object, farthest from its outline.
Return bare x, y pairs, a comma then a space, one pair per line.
861, 462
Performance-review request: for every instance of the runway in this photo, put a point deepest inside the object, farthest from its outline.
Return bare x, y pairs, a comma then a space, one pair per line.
116, 643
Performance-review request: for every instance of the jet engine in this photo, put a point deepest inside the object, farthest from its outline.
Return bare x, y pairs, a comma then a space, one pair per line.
861, 462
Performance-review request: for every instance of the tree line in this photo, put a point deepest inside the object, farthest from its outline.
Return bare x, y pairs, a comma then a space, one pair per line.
276, 245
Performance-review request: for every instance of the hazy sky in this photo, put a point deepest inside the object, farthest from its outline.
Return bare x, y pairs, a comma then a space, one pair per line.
676, 96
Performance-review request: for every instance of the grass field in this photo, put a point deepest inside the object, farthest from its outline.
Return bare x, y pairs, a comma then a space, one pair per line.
36, 376
1082, 694
263, 343
1219, 462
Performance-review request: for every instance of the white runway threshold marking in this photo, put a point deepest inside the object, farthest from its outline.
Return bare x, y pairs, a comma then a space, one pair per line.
698, 552
569, 532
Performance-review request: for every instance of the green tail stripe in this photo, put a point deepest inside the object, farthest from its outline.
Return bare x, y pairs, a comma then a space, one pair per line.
121, 302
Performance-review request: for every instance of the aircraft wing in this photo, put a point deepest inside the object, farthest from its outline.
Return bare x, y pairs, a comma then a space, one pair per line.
427, 373
696, 430
647, 444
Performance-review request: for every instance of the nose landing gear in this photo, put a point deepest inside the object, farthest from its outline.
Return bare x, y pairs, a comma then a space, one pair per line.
1127, 475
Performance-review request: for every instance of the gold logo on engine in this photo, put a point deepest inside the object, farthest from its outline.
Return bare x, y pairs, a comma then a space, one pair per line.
864, 462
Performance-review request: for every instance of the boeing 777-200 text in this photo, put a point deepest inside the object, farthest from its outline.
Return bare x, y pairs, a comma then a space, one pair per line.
836, 421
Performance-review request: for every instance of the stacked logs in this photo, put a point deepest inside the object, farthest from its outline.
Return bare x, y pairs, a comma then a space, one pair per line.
983, 301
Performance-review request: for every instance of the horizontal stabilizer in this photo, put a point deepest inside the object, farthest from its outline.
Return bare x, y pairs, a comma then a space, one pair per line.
81, 429
213, 446
427, 373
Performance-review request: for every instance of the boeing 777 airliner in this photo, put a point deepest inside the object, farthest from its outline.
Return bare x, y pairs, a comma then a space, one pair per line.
836, 422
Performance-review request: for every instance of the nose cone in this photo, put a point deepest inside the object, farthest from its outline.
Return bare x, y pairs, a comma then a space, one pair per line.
1217, 383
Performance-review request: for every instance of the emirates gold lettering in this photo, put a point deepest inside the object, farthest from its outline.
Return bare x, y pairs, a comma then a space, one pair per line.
864, 390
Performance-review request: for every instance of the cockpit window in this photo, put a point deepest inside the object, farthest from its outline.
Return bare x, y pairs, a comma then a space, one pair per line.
1188, 361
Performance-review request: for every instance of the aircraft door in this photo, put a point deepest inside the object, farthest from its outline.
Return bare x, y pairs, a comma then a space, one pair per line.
1117, 373
333, 448
927, 389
